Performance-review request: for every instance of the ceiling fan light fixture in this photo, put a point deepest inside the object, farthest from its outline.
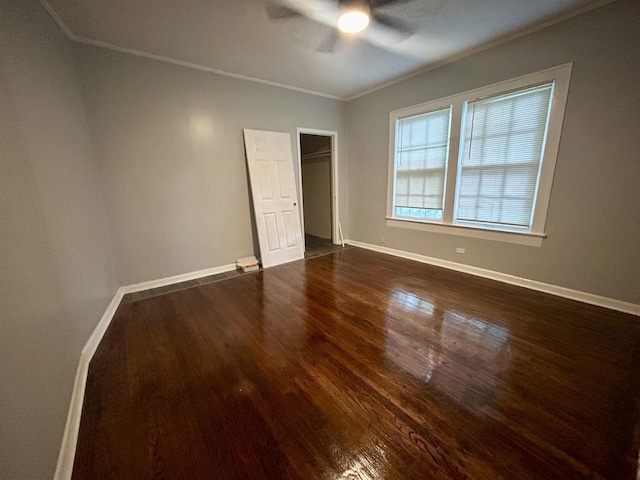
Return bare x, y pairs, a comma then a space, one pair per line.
354, 20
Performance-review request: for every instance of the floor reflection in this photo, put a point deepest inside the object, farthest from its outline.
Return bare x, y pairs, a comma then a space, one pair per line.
440, 338
360, 365
368, 461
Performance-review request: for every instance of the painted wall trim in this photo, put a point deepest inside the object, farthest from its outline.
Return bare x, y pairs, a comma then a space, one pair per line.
335, 181
453, 58
184, 277
64, 467
96, 43
585, 297
485, 46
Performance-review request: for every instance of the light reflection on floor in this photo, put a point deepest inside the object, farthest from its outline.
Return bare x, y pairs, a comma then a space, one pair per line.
412, 303
424, 354
366, 466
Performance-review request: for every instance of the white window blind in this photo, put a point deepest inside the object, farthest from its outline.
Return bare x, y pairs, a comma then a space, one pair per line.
501, 155
422, 150
479, 163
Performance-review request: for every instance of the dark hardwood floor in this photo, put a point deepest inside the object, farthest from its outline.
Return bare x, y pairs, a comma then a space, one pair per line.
316, 246
358, 365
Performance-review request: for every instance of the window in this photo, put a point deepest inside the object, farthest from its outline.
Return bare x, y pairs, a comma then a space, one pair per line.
479, 163
422, 149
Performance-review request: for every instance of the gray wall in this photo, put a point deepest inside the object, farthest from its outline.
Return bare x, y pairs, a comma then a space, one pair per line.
316, 186
57, 274
171, 153
170, 162
593, 224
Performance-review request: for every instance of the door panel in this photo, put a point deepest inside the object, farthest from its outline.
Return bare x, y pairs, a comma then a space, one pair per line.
270, 165
286, 182
271, 224
290, 228
266, 188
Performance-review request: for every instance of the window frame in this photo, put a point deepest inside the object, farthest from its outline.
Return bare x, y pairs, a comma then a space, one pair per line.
561, 75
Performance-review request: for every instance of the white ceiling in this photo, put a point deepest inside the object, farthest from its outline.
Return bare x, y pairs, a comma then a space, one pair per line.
237, 37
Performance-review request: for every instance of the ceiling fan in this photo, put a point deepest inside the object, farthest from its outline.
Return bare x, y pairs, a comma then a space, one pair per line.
381, 22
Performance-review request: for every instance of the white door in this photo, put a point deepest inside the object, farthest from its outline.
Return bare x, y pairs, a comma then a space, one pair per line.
275, 200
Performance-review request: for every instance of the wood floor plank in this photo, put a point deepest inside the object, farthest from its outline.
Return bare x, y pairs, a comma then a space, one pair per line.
365, 366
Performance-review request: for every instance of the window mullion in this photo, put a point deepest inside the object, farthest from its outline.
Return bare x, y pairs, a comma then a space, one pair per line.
452, 165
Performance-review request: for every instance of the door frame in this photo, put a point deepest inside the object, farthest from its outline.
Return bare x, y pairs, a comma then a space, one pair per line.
335, 220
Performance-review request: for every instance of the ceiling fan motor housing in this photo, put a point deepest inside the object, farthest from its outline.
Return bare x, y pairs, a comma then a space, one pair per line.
354, 15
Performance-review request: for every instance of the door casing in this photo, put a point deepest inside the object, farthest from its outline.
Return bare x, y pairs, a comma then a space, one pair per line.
334, 179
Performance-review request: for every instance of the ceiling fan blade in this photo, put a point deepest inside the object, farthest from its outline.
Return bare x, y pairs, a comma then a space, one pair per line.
276, 11
330, 42
382, 3
400, 28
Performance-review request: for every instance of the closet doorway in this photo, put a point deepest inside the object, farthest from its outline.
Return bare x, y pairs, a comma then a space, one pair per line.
317, 154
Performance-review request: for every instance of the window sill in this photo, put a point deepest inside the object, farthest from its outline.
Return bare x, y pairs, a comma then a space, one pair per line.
519, 238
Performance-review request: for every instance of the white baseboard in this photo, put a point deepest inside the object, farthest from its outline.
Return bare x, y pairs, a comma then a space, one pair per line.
66, 456
184, 277
64, 468
585, 297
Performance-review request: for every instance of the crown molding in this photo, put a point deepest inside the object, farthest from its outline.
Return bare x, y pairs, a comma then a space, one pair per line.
486, 46
96, 43
433, 66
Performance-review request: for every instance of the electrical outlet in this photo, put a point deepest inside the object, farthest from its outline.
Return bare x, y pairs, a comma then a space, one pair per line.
381, 239
460, 250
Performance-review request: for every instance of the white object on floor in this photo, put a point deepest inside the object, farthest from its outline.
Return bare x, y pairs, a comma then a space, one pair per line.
248, 264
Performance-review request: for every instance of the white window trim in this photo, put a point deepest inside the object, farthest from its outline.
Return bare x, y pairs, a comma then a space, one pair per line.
561, 75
